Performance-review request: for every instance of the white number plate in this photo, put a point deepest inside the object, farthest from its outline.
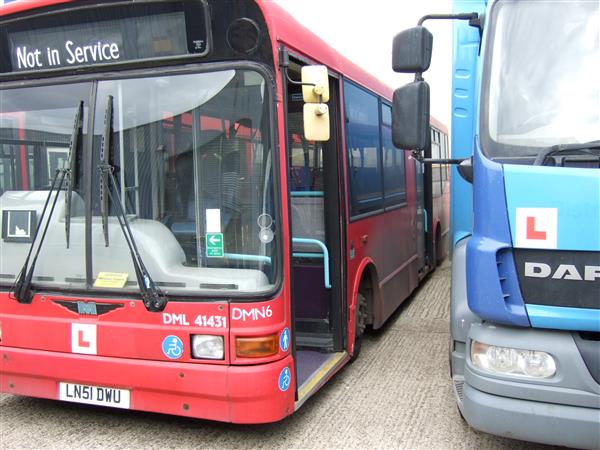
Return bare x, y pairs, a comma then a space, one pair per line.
94, 395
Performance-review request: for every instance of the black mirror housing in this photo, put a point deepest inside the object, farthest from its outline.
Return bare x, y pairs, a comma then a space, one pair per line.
411, 50
465, 169
410, 116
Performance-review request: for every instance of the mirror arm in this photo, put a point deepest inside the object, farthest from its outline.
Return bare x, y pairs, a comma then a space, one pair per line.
471, 17
442, 160
298, 83
475, 20
419, 157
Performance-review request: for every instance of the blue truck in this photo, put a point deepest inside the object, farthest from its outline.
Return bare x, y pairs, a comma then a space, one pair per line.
525, 211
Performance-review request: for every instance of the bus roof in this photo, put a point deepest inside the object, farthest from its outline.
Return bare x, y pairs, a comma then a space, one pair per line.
284, 28
287, 30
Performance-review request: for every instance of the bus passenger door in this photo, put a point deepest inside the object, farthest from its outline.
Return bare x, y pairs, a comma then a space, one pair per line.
317, 261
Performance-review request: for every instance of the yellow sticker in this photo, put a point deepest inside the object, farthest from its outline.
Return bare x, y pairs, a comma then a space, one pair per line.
111, 280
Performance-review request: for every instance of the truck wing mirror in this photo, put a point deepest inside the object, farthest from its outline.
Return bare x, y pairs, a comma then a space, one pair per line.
410, 116
411, 50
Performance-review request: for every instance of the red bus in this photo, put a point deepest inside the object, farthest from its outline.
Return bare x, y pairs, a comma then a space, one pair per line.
440, 191
171, 240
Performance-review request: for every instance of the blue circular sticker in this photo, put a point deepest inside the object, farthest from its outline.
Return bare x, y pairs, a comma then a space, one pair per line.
285, 379
284, 340
172, 347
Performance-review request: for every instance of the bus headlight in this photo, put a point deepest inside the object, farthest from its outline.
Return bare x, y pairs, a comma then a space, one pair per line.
205, 346
512, 361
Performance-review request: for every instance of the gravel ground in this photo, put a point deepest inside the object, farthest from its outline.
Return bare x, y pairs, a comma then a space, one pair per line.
396, 395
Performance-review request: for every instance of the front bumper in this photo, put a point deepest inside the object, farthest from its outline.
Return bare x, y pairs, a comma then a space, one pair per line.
546, 423
239, 394
561, 410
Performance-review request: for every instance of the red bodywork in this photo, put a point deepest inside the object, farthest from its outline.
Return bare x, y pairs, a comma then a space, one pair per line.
37, 339
40, 344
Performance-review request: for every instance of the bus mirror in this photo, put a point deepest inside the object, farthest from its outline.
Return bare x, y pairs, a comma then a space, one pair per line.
315, 84
411, 50
410, 116
316, 122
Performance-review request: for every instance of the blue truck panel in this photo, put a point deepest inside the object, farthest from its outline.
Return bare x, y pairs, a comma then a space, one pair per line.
574, 194
532, 263
492, 291
464, 104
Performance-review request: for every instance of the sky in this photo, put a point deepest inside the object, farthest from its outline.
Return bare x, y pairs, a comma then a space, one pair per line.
364, 35
363, 32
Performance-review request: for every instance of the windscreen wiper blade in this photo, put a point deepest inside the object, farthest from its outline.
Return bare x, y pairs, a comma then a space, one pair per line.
153, 298
71, 173
106, 149
585, 147
22, 287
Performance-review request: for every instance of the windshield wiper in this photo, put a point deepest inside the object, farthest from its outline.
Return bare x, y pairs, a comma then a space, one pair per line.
22, 287
585, 147
71, 171
153, 298
106, 149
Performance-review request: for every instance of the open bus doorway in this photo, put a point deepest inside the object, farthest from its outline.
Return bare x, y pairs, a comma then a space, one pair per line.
317, 263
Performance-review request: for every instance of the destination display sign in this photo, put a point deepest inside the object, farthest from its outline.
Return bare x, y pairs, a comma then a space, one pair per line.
107, 36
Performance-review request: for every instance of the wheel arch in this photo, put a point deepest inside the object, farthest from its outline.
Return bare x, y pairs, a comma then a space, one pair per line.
366, 281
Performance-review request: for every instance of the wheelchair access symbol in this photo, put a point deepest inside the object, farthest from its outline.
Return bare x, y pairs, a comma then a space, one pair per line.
172, 347
285, 378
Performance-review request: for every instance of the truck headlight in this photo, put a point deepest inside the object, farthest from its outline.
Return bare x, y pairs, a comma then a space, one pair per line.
205, 346
512, 361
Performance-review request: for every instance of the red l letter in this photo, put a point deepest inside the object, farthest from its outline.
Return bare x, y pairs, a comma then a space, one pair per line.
532, 233
81, 342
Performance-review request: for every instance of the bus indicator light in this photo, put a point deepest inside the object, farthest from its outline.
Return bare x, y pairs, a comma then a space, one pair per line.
256, 347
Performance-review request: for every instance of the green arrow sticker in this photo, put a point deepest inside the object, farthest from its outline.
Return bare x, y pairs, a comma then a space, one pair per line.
214, 245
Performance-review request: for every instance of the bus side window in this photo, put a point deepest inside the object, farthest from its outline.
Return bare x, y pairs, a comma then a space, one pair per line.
363, 149
394, 176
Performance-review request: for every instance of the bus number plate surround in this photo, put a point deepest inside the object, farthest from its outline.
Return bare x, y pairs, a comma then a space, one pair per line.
95, 395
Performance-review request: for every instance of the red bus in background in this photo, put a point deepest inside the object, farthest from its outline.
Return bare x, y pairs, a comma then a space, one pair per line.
440, 191
171, 241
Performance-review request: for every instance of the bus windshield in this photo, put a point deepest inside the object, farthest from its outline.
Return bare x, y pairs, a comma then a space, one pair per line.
192, 163
541, 86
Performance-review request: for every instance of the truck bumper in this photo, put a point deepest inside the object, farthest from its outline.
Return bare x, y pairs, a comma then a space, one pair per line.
546, 423
561, 410
239, 394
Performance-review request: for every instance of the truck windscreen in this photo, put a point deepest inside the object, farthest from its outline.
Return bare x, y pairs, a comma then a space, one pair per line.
540, 84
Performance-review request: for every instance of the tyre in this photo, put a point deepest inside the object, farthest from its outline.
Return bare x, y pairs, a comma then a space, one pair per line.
360, 324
